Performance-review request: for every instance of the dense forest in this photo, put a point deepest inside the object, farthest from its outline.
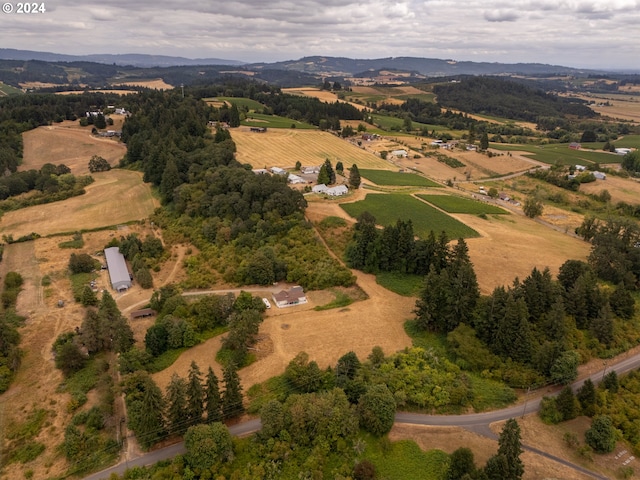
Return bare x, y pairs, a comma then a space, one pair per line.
507, 99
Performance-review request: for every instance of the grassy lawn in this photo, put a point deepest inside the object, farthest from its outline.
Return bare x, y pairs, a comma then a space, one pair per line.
560, 154
274, 121
452, 204
389, 208
404, 460
385, 177
400, 283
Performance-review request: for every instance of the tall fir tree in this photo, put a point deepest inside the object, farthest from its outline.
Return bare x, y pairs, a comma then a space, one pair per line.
232, 397
212, 397
151, 415
176, 402
330, 172
195, 396
354, 177
510, 445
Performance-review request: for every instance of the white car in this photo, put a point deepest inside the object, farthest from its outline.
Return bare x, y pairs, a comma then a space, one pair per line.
266, 302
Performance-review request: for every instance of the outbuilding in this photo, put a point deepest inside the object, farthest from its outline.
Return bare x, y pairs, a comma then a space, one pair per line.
118, 271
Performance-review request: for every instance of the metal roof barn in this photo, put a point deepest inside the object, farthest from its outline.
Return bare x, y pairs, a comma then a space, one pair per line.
118, 272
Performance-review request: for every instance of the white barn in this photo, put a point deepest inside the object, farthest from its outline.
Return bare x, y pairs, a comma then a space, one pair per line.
320, 188
337, 191
118, 272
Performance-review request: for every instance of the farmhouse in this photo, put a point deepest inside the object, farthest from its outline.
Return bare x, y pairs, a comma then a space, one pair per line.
278, 171
289, 298
370, 136
337, 191
118, 272
312, 169
321, 188
294, 179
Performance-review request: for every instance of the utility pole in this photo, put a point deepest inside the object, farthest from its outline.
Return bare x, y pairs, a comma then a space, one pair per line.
526, 398
182, 87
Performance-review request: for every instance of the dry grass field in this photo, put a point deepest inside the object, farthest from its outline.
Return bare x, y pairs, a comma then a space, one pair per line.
70, 144
324, 335
117, 196
621, 189
156, 83
322, 95
80, 92
283, 147
621, 106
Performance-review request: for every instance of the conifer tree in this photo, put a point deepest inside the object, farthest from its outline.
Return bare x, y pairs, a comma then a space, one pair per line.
232, 396
212, 397
506, 464
330, 172
354, 177
195, 396
176, 401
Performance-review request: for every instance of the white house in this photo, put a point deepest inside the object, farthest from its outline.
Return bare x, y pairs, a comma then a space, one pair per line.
599, 175
278, 171
399, 153
436, 143
337, 191
261, 171
320, 188
622, 151
311, 169
580, 168
289, 298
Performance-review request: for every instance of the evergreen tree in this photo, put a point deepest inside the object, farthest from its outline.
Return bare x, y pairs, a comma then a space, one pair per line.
461, 463
586, 395
195, 396
323, 176
567, 404
339, 167
150, 421
170, 181
601, 326
354, 177
212, 397
232, 396
513, 336
602, 434
330, 172
176, 401
234, 116
510, 446
484, 141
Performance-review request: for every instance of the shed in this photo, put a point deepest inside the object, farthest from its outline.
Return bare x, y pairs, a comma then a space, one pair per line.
337, 191
295, 179
399, 153
118, 271
289, 298
144, 312
320, 188
278, 171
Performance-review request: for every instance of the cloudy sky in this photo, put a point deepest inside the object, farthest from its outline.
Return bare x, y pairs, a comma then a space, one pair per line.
578, 33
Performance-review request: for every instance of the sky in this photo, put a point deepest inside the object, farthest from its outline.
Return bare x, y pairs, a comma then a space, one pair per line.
602, 34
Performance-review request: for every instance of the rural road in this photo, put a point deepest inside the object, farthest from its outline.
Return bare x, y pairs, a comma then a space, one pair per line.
475, 422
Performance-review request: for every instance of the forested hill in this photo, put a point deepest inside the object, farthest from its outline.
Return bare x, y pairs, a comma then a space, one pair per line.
507, 99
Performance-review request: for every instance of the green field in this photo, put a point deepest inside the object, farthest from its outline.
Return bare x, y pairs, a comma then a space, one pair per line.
8, 90
384, 177
560, 154
391, 123
393, 207
451, 204
274, 121
239, 102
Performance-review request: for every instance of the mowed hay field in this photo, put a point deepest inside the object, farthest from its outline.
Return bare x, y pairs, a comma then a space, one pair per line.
116, 196
69, 144
284, 147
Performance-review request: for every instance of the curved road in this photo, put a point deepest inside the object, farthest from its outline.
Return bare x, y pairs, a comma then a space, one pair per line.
476, 422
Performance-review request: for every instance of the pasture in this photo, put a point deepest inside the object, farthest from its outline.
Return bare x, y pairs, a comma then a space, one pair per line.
6, 90
69, 144
385, 177
117, 196
322, 95
560, 154
280, 147
247, 103
455, 204
274, 121
387, 209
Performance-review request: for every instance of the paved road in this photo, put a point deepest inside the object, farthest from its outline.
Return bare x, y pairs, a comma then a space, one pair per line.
476, 422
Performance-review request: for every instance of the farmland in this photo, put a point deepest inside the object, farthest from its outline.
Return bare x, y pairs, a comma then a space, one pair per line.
392, 207
69, 144
117, 196
453, 204
310, 147
560, 154
274, 121
384, 177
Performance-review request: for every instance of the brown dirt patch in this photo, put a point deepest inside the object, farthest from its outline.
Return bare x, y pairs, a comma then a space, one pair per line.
283, 147
322, 95
117, 196
69, 144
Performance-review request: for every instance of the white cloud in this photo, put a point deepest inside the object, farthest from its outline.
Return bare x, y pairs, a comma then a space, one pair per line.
567, 32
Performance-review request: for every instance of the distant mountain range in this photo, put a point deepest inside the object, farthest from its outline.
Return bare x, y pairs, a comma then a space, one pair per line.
315, 65
129, 59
